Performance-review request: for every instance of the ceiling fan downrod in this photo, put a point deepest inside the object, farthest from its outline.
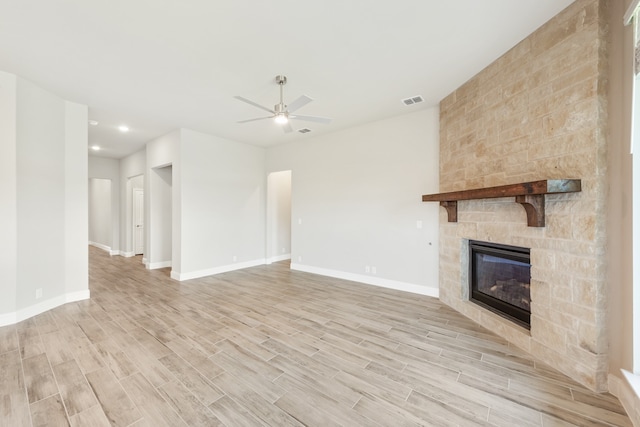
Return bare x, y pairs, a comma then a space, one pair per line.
282, 115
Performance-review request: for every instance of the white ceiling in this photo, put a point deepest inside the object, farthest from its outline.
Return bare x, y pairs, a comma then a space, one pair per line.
157, 65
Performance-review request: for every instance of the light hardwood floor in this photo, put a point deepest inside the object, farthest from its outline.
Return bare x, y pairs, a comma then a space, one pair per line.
270, 346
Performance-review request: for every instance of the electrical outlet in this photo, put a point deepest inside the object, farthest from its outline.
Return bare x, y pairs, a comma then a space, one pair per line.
367, 269
299, 258
299, 221
419, 224
373, 270
38, 293
283, 250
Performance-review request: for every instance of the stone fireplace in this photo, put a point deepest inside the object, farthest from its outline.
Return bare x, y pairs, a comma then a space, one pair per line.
537, 113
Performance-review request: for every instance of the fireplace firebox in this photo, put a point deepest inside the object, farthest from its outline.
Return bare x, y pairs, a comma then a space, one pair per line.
500, 280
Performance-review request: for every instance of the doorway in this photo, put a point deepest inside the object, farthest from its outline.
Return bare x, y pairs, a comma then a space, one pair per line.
278, 216
134, 236
159, 224
100, 226
138, 221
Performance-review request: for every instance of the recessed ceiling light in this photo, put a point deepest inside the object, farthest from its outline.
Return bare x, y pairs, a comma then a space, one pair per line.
95, 147
93, 122
123, 128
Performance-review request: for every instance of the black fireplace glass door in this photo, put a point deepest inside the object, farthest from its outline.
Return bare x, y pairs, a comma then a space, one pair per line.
500, 279
504, 279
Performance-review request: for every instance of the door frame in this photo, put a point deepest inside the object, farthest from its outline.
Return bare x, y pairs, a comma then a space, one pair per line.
134, 240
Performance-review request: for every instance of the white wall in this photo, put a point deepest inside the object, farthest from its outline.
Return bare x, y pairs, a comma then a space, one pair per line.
106, 168
133, 165
40, 192
222, 205
356, 200
76, 225
100, 230
44, 199
8, 196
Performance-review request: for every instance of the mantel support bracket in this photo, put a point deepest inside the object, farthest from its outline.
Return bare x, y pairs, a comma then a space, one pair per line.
452, 210
533, 204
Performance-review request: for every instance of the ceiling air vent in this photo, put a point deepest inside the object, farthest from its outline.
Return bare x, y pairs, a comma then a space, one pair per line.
413, 100
305, 130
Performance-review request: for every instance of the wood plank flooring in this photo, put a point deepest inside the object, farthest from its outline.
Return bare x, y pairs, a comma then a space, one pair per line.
267, 346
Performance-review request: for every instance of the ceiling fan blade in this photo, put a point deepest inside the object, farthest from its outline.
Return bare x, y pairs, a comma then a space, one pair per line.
287, 127
312, 119
253, 120
299, 103
248, 101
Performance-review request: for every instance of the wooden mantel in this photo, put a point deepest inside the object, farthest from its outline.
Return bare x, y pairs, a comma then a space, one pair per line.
529, 194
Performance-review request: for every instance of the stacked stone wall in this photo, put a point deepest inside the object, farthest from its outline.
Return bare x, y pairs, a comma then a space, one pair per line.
538, 112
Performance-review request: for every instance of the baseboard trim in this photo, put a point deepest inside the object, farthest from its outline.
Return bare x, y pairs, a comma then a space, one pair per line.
41, 307
278, 258
627, 390
375, 281
156, 265
127, 254
217, 270
104, 248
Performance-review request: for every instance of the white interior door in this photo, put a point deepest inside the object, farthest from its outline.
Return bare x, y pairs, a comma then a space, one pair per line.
138, 221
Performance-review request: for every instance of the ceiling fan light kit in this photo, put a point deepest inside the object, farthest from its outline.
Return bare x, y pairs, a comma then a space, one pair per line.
281, 118
281, 113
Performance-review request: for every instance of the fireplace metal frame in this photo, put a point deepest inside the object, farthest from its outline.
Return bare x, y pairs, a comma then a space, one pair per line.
516, 314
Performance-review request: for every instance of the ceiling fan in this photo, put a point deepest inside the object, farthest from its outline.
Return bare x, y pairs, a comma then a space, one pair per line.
282, 113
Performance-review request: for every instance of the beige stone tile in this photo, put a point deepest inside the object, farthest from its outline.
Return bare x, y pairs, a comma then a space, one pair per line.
86, 355
232, 413
379, 411
49, 412
57, 347
74, 388
192, 411
154, 408
14, 408
93, 417
115, 358
261, 384
11, 372
258, 406
8, 339
195, 358
115, 402
194, 381
312, 407
38, 378
29, 339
